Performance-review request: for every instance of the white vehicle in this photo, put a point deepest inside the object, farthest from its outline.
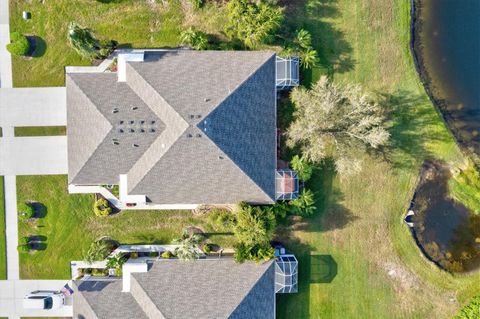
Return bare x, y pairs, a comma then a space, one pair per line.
44, 299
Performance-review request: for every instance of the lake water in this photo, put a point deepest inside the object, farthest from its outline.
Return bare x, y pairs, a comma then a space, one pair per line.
447, 47
447, 43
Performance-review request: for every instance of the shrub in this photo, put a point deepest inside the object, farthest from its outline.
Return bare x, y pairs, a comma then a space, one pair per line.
85, 43
153, 254
207, 248
188, 246
166, 254
302, 167
254, 225
98, 272
102, 207
304, 205
252, 22
18, 45
197, 4
24, 248
195, 39
24, 241
470, 311
257, 252
116, 261
134, 255
98, 250
222, 218
26, 210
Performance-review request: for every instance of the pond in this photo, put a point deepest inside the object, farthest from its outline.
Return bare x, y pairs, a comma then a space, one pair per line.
446, 44
446, 231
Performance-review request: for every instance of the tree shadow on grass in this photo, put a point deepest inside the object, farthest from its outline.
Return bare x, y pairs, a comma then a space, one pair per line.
334, 52
414, 124
40, 210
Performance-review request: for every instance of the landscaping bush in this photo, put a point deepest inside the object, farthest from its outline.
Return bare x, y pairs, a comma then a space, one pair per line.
99, 272
221, 218
102, 207
153, 254
85, 43
166, 254
18, 45
197, 4
257, 252
134, 255
302, 167
304, 205
207, 248
24, 248
188, 246
26, 210
24, 241
195, 39
99, 250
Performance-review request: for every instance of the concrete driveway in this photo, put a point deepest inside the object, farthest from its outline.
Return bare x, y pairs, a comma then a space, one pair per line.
13, 291
33, 155
45, 106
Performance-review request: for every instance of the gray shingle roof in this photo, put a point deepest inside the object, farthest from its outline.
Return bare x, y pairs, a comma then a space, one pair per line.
106, 300
206, 288
215, 136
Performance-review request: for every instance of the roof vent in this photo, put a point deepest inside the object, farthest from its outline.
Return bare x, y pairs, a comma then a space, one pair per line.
199, 116
152, 122
120, 131
115, 143
207, 100
142, 122
152, 130
220, 157
199, 135
142, 130
115, 110
192, 116
132, 130
189, 135
135, 145
132, 121
134, 108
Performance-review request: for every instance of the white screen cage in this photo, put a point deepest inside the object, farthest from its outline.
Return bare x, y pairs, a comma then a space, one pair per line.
286, 184
286, 274
288, 72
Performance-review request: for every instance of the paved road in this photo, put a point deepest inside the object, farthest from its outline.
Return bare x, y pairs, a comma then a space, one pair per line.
13, 291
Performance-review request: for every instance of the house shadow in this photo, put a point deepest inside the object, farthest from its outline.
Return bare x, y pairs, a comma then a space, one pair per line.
323, 269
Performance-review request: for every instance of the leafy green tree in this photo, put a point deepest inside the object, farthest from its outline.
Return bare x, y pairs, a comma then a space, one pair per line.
252, 22
116, 261
308, 58
85, 43
98, 250
302, 167
302, 47
254, 225
188, 249
18, 45
195, 39
304, 205
336, 121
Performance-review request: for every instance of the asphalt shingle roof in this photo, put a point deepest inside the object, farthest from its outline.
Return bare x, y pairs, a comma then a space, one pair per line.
214, 138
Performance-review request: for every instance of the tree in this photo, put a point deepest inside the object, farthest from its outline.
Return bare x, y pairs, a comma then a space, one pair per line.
302, 167
336, 121
302, 47
188, 249
18, 45
26, 210
304, 205
98, 250
471, 310
195, 39
85, 43
254, 225
252, 22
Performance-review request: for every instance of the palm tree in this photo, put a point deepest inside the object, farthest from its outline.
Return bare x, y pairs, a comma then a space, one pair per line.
188, 249
308, 58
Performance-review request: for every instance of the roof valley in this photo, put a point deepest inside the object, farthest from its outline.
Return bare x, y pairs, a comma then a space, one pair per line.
175, 126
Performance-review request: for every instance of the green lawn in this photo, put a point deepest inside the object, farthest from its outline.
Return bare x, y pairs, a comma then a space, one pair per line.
40, 130
3, 248
141, 24
69, 226
380, 271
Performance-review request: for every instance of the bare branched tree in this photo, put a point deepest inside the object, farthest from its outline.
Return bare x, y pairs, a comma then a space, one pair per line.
336, 121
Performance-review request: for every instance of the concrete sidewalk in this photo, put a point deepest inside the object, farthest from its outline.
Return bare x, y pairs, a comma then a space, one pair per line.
11, 222
5, 58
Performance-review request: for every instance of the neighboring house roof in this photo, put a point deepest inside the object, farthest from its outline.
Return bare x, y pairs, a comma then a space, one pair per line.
208, 288
209, 130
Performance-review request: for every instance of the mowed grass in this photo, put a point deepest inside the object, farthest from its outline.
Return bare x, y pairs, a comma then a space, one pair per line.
3, 246
69, 226
380, 273
138, 24
40, 131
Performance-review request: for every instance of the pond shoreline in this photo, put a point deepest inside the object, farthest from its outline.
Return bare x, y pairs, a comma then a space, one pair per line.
425, 79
